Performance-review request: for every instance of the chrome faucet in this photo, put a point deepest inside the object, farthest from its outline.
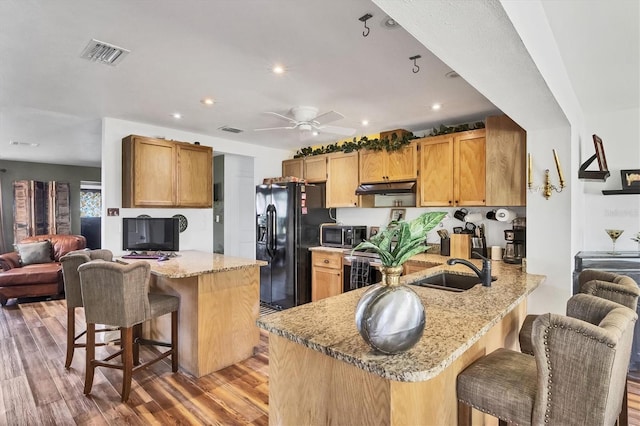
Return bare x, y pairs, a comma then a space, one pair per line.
484, 275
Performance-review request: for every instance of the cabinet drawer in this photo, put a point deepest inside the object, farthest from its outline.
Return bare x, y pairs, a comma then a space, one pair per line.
327, 260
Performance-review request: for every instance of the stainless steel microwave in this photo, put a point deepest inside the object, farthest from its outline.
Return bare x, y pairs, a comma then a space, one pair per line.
344, 236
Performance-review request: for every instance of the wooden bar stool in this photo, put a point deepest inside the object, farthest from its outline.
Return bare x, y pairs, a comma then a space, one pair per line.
70, 263
119, 295
576, 376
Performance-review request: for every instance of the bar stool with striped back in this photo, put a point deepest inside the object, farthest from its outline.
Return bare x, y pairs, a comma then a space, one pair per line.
119, 295
73, 294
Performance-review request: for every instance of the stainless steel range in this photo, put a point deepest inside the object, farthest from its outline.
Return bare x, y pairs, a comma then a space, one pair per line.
365, 271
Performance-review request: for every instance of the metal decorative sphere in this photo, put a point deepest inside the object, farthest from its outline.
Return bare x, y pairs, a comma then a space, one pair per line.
390, 318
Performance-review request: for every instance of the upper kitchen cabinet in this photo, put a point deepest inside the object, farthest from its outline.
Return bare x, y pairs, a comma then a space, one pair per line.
342, 181
452, 169
506, 158
312, 169
161, 173
315, 168
293, 167
388, 166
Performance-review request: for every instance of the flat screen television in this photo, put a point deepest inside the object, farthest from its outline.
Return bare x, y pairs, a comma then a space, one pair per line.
150, 234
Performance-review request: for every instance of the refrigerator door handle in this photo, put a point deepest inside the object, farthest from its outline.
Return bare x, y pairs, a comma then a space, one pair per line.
271, 226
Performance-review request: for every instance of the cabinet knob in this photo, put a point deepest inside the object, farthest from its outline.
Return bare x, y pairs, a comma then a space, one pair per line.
326, 261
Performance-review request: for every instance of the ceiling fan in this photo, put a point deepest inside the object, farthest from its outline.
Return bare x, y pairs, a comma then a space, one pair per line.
306, 119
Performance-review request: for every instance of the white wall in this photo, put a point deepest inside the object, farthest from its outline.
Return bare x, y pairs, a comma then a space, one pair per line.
381, 217
239, 206
620, 133
199, 234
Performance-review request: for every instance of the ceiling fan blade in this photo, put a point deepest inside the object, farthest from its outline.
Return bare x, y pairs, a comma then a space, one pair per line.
274, 128
328, 117
283, 117
344, 131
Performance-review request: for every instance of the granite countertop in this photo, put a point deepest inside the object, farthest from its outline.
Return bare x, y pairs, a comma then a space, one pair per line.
455, 321
190, 263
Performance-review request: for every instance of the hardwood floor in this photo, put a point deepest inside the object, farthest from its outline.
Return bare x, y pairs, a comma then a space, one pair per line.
35, 388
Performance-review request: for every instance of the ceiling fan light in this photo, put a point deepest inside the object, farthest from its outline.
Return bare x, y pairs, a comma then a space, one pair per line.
305, 126
365, 122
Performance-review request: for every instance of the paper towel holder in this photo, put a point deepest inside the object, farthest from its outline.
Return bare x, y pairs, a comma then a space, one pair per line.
547, 187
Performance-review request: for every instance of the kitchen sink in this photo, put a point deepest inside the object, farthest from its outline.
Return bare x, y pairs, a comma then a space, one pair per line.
450, 282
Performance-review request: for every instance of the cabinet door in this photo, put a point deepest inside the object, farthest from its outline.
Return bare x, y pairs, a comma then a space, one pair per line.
315, 168
153, 173
402, 164
294, 167
195, 175
469, 168
436, 171
342, 182
506, 158
325, 282
372, 166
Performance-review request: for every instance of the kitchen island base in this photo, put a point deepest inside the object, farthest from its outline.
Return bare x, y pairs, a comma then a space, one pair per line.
219, 306
330, 391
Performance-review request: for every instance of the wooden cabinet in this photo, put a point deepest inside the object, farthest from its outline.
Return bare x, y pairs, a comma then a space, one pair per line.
326, 274
195, 176
293, 167
452, 169
414, 266
312, 169
388, 166
160, 173
506, 158
315, 168
342, 180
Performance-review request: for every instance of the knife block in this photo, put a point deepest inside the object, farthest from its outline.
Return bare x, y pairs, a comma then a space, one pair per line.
461, 245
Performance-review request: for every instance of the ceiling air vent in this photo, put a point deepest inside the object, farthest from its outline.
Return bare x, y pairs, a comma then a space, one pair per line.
230, 129
104, 53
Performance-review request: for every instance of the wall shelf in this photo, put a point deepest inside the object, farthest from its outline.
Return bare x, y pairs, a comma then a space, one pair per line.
621, 191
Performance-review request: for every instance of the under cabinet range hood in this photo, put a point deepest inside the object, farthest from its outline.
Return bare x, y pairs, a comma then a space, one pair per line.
389, 188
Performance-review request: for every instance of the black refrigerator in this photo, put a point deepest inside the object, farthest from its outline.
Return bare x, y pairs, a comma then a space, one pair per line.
288, 219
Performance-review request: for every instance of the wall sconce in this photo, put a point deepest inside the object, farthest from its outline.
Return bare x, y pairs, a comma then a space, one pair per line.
547, 187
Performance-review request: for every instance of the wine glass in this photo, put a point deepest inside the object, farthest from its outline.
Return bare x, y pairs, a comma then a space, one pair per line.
614, 234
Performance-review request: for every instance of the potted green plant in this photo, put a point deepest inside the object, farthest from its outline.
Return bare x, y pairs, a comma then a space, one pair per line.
390, 316
400, 241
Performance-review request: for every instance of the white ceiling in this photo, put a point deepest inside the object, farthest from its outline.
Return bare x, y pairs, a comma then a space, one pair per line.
184, 51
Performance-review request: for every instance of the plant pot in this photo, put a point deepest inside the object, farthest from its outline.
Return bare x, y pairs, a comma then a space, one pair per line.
390, 316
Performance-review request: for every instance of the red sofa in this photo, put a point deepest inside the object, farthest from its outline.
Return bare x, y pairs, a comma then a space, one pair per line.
40, 279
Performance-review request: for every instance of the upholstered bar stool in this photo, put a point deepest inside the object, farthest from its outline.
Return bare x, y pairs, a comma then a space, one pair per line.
606, 285
119, 295
70, 263
576, 376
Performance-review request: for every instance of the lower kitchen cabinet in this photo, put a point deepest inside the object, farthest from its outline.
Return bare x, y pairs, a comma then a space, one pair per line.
326, 274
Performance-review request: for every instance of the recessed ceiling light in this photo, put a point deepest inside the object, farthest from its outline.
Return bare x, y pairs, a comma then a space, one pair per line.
389, 22
365, 122
207, 101
436, 107
176, 115
452, 74
314, 133
278, 69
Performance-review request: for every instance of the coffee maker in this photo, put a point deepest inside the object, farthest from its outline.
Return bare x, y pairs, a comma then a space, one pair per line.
515, 248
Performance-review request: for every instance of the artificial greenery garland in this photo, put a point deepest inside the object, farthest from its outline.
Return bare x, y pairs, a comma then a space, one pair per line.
393, 143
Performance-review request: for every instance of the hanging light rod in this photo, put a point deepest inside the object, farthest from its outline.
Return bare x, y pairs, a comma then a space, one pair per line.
364, 19
416, 67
